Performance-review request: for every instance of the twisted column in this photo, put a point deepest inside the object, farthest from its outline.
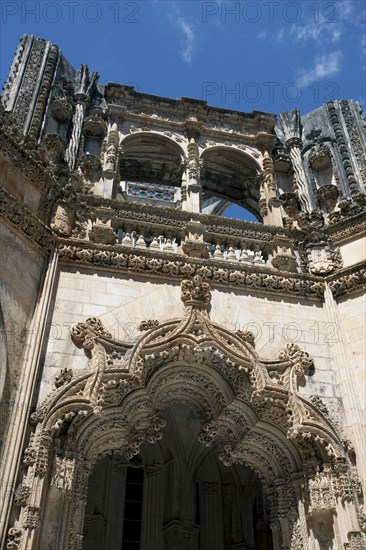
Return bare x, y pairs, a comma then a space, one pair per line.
77, 125
294, 144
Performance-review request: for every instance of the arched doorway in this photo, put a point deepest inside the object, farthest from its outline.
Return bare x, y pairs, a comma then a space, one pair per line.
199, 421
175, 494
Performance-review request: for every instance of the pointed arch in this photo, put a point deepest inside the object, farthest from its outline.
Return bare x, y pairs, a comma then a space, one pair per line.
250, 409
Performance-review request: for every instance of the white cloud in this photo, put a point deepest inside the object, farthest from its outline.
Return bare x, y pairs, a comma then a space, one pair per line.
363, 51
279, 36
189, 38
325, 66
345, 8
319, 32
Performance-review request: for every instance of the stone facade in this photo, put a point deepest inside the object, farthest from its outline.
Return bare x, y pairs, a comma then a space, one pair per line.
171, 378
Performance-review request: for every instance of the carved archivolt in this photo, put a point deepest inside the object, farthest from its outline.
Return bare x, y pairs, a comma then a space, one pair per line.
251, 408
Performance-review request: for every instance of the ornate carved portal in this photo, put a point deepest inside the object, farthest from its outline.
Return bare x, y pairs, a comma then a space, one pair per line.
248, 414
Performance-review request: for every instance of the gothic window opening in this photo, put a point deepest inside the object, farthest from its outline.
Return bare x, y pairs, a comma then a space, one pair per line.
231, 175
150, 170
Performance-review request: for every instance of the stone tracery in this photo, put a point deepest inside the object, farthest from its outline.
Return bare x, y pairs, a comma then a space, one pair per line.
223, 378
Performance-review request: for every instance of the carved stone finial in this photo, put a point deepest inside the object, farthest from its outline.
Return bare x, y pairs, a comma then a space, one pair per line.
195, 293
85, 334
64, 377
300, 360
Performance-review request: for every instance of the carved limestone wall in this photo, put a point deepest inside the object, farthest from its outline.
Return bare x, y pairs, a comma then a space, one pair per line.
102, 204
242, 397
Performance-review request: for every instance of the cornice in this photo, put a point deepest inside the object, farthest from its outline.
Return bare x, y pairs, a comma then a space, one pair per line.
347, 228
15, 153
21, 220
348, 280
126, 97
175, 266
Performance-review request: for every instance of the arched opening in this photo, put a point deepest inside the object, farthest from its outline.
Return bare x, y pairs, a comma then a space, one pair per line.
230, 175
177, 494
227, 209
151, 169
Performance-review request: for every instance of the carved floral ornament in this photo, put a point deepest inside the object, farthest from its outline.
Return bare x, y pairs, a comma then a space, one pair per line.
251, 408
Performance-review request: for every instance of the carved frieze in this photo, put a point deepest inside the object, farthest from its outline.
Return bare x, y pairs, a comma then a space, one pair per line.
122, 259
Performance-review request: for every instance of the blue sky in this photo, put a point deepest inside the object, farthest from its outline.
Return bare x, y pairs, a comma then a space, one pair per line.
266, 55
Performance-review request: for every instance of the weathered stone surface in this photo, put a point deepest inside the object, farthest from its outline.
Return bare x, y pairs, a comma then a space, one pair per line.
218, 363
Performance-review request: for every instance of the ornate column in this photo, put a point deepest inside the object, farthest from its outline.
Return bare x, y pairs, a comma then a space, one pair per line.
76, 509
193, 198
269, 203
84, 85
110, 161
294, 146
152, 511
289, 128
287, 527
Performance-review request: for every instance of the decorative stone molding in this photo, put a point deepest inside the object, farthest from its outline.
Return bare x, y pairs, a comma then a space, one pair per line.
357, 146
351, 279
327, 196
22, 220
319, 157
25, 162
87, 334
89, 165
342, 146
356, 541
317, 251
195, 293
14, 538
289, 128
61, 109
22, 494
144, 261
345, 229
147, 325
251, 408
63, 473
62, 219
95, 125
300, 361
64, 377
